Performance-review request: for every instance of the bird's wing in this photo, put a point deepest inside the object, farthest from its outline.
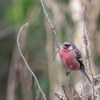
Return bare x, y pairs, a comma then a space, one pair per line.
78, 58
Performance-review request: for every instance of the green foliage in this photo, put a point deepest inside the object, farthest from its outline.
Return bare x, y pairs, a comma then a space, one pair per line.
17, 12
26, 5
3, 8
37, 34
98, 22
64, 36
97, 59
65, 1
69, 20
44, 83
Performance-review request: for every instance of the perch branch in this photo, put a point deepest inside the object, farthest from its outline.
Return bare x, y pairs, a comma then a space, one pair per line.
56, 39
27, 66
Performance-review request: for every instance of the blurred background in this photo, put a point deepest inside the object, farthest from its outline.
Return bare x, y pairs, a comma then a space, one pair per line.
38, 47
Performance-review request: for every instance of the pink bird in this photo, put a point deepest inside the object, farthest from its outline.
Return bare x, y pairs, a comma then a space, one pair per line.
71, 57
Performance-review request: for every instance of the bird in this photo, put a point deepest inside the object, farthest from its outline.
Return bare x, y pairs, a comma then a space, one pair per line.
72, 59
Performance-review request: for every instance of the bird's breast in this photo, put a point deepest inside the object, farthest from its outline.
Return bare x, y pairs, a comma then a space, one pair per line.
69, 59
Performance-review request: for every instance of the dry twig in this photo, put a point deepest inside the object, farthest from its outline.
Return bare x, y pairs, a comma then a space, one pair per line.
63, 87
57, 44
85, 32
26, 25
58, 96
52, 26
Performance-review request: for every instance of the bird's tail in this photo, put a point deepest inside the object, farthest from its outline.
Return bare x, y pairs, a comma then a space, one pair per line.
85, 75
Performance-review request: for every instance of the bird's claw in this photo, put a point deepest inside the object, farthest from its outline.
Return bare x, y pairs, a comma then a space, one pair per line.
67, 73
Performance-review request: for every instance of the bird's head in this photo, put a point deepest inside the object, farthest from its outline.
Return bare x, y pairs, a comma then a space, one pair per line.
68, 46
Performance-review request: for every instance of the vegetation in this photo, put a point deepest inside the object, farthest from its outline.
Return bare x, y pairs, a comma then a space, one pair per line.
38, 46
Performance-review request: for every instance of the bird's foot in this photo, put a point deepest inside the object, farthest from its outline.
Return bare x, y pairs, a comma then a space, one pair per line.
67, 73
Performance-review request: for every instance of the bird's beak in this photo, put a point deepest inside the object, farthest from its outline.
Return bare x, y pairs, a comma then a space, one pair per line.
64, 47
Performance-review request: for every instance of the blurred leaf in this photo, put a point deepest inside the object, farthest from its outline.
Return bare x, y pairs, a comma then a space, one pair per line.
98, 22
27, 4
65, 1
64, 36
15, 14
43, 83
37, 35
97, 59
69, 19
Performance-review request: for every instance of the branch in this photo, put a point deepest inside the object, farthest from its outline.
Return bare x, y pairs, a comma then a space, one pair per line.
56, 41
58, 96
85, 95
27, 66
63, 87
52, 26
85, 32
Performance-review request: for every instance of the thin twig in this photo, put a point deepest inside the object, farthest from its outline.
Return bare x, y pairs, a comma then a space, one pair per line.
70, 81
63, 87
85, 95
55, 38
26, 25
61, 93
38, 95
52, 26
55, 55
73, 87
85, 32
58, 96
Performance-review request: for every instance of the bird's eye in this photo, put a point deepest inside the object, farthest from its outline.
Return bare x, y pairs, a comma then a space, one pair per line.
64, 47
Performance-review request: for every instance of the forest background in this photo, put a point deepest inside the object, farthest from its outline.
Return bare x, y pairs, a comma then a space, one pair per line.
38, 46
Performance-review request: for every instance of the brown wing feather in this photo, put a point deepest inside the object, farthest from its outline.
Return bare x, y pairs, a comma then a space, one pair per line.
78, 56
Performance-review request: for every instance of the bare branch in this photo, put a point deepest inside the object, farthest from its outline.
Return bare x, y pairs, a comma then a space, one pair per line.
63, 87
89, 94
52, 26
27, 66
57, 45
85, 95
59, 96
85, 32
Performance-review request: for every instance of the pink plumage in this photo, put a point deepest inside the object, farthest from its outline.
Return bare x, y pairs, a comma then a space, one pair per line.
69, 60
71, 57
